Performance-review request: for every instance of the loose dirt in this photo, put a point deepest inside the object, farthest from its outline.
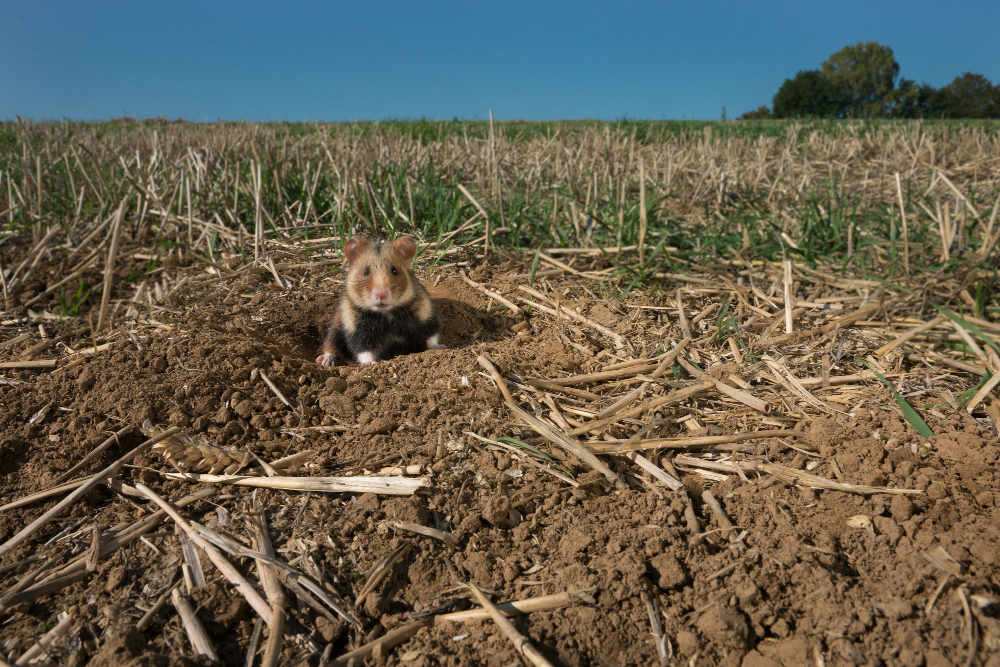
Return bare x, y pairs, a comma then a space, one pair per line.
794, 583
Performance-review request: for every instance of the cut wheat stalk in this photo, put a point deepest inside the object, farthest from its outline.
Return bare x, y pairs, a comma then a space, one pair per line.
548, 432
97, 451
694, 442
392, 486
522, 644
515, 607
380, 571
272, 588
675, 396
565, 313
723, 388
426, 531
225, 567
109, 267
56, 510
840, 322
390, 639
496, 296
30, 364
41, 647
196, 633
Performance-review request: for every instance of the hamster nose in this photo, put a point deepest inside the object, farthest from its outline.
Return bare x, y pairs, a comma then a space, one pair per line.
380, 295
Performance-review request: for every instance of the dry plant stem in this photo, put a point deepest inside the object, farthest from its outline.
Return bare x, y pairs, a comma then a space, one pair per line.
906, 232
57, 509
570, 314
675, 396
274, 388
569, 391
623, 446
391, 486
42, 495
96, 451
546, 431
717, 511
496, 296
603, 375
892, 345
272, 588
521, 643
984, 391
789, 296
38, 363
669, 480
528, 605
426, 531
214, 555
380, 572
109, 267
840, 322
199, 639
147, 618
388, 640
723, 388
39, 648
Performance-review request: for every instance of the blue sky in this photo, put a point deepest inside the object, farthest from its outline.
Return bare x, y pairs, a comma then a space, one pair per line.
527, 60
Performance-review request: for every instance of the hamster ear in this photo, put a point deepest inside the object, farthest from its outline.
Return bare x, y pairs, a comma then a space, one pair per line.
405, 248
355, 247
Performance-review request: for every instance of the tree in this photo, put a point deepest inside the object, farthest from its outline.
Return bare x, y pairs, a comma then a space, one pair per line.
758, 113
908, 100
867, 73
970, 96
809, 94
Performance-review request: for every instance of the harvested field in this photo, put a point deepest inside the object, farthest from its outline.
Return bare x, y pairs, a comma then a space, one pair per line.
735, 405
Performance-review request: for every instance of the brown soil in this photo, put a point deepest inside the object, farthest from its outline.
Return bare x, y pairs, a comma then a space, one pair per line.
802, 586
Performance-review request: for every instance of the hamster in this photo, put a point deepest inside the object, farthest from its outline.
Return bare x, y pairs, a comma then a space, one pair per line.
383, 310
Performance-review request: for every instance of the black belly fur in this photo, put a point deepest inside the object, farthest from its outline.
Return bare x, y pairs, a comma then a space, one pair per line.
386, 334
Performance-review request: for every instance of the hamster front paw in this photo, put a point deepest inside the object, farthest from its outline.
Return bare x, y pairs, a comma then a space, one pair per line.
434, 343
366, 358
326, 359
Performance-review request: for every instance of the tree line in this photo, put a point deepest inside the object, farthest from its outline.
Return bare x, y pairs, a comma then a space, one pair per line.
862, 81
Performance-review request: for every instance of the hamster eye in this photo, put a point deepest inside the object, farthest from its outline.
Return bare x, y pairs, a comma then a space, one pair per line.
395, 272
368, 270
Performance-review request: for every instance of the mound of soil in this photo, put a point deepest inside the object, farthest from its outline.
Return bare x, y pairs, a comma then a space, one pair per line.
800, 580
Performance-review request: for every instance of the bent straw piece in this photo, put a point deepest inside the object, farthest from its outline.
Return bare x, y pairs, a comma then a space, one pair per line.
569, 391
570, 314
53, 512
548, 432
97, 450
528, 605
841, 321
915, 331
521, 643
42, 495
723, 388
603, 375
38, 363
624, 446
272, 588
426, 531
668, 480
225, 567
388, 640
40, 647
196, 633
393, 486
675, 396
496, 296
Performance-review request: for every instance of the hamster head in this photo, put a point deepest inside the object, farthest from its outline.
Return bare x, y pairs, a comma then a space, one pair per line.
378, 274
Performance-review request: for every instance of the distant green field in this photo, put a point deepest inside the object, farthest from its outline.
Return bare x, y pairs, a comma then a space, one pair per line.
817, 191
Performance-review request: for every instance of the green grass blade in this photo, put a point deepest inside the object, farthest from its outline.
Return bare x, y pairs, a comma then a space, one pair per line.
911, 415
514, 442
970, 327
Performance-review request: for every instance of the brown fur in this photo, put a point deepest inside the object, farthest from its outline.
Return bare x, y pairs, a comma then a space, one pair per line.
379, 259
